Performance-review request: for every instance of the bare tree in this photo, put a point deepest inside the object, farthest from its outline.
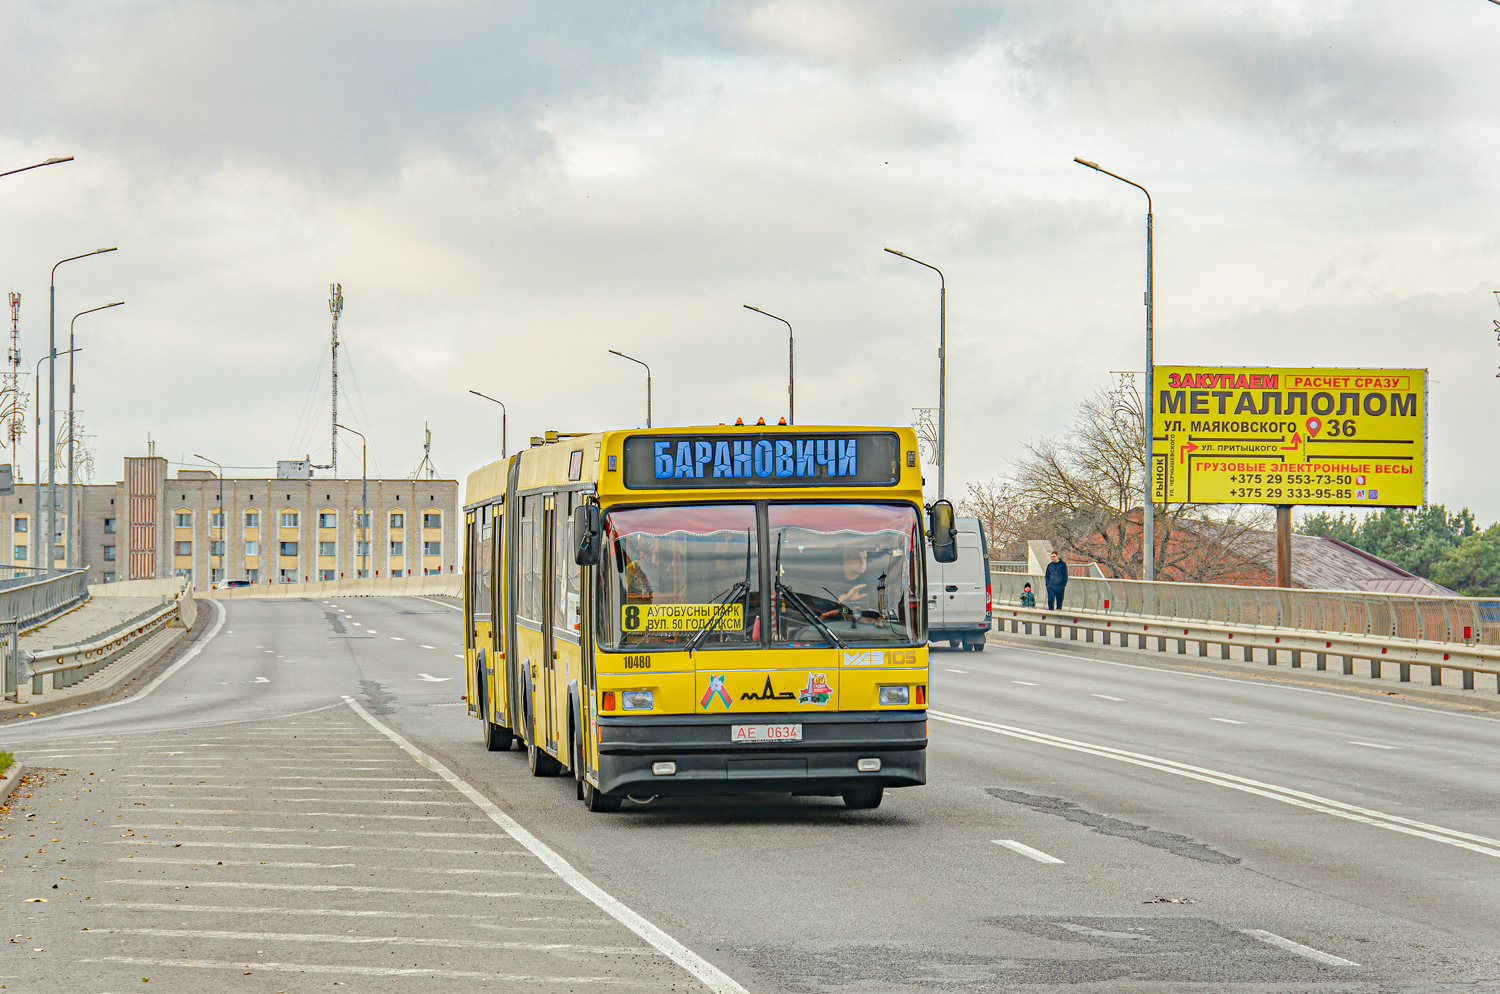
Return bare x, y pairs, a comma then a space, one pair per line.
1083, 489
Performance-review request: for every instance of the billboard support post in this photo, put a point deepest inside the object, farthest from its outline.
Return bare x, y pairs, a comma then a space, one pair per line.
1283, 545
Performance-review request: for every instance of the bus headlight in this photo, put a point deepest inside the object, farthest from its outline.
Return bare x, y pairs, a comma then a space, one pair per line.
666, 769
890, 695
640, 700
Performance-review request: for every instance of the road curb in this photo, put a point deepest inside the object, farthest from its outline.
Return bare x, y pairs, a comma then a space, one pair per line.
66, 699
1281, 673
11, 779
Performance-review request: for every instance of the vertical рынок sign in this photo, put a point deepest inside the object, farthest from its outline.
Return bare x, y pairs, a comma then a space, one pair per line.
1283, 435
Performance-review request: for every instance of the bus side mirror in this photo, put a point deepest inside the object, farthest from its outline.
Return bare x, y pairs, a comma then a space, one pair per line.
586, 535
944, 533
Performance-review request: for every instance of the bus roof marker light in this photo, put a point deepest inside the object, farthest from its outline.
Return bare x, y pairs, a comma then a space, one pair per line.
760, 421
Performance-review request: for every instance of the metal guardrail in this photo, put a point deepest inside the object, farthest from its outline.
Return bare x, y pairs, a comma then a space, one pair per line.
68, 665
27, 600
1466, 659
1398, 616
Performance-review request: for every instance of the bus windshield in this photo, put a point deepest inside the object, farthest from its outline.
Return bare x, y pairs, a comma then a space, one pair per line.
689, 576
848, 571
672, 572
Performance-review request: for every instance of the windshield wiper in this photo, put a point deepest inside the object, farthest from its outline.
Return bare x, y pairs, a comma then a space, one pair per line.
741, 587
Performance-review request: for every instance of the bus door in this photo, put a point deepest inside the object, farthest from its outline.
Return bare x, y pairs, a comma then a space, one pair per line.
481, 632
471, 681
546, 722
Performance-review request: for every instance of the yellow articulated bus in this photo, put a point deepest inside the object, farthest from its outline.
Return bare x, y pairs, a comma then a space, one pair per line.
705, 610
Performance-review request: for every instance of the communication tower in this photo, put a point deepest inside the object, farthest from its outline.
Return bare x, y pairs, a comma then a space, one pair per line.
426, 463
335, 307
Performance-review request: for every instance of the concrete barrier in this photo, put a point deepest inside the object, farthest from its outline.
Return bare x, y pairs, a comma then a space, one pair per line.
442, 585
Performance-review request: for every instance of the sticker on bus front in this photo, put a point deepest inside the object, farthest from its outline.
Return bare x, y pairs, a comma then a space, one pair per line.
681, 617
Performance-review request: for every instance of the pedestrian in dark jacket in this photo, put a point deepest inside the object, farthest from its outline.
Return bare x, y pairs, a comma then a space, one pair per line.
1056, 579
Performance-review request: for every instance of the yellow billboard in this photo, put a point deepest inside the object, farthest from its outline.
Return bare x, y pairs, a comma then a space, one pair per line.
1276, 435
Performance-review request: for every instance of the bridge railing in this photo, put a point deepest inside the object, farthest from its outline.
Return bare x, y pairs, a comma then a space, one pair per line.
1465, 620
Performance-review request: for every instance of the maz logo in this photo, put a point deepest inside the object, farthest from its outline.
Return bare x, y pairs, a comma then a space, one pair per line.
868, 657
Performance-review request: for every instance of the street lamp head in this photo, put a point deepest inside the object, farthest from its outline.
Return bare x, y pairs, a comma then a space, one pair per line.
898, 252
1085, 162
98, 251
58, 158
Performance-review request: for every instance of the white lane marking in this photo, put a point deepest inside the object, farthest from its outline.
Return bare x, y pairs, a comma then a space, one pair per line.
1353, 694
1372, 745
371, 631
395, 940
362, 815
711, 976
429, 647
583, 925
1327, 959
359, 800
397, 638
429, 678
383, 832
338, 888
344, 848
1026, 683
1227, 721
1025, 850
951, 670
1107, 697
440, 603
1286, 795
261, 679
358, 971
457, 656
145, 691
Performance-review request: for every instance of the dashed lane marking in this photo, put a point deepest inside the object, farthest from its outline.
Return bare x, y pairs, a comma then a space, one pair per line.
1026, 683
1317, 955
1227, 721
340, 889
394, 940
578, 924
711, 976
951, 670
1107, 697
1286, 795
360, 971
345, 847
1027, 851
1373, 745
397, 638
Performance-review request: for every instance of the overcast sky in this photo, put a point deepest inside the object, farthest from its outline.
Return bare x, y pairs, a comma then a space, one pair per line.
506, 191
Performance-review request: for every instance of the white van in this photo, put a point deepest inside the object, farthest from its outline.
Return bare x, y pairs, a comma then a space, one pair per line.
958, 593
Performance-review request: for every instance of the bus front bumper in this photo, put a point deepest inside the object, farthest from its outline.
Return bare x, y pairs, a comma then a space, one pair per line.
825, 761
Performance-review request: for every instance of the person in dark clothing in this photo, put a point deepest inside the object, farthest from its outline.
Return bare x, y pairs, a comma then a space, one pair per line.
1056, 579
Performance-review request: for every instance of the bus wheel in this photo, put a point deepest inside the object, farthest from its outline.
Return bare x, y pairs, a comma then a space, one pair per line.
539, 762
863, 797
497, 738
595, 801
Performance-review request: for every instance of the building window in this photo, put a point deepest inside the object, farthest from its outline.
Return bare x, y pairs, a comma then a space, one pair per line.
398, 520
182, 548
215, 575
289, 519
20, 552
252, 519
362, 519
430, 520
253, 575
325, 574
216, 519
288, 576
109, 578
216, 548
361, 548
252, 548
326, 519
183, 519
109, 553
109, 526
57, 553
398, 548
20, 525
396, 572
325, 548
432, 572
288, 549
432, 548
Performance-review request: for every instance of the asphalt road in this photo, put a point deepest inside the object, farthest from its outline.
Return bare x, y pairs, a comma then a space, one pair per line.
305, 805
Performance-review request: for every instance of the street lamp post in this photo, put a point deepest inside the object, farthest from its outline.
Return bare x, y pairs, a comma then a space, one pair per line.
223, 544
364, 500
37, 165
791, 366
52, 401
72, 440
36, 476
942, 439
648, 382
1148, 541
503, 415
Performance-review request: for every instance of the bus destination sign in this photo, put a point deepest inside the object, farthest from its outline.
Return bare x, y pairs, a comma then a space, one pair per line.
858, 459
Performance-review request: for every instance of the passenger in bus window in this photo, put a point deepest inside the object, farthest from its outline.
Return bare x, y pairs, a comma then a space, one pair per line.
863, 585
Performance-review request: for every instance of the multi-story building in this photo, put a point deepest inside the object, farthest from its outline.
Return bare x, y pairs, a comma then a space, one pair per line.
151, 525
